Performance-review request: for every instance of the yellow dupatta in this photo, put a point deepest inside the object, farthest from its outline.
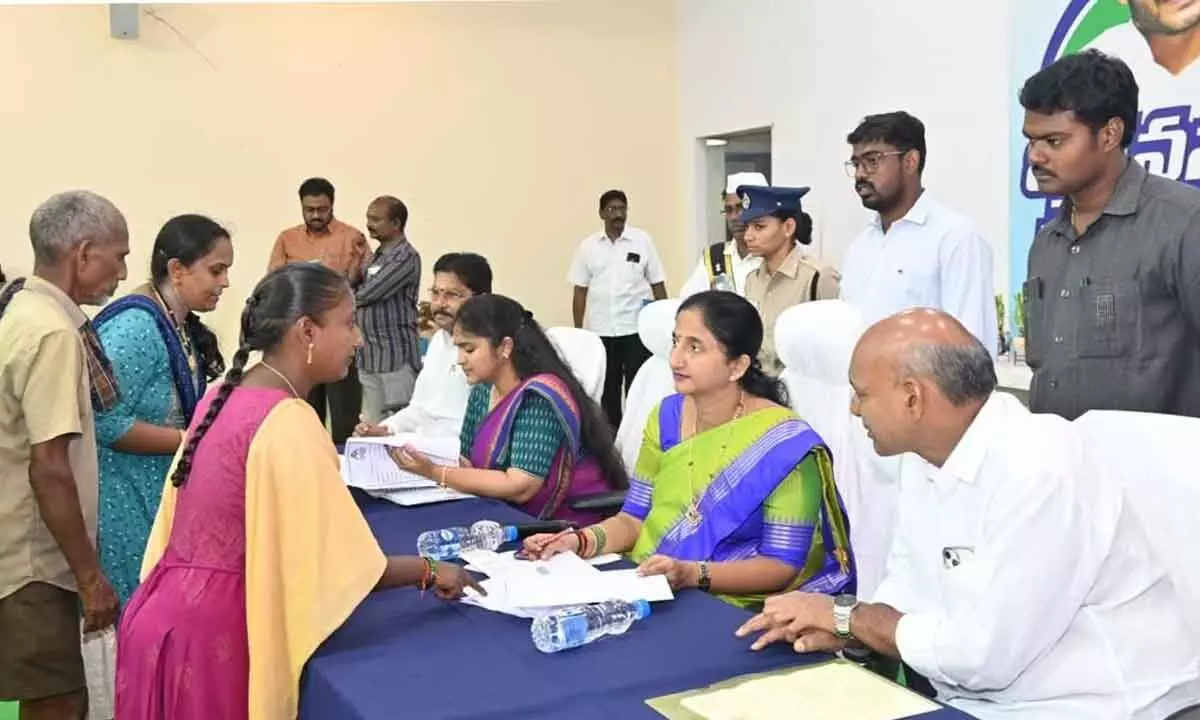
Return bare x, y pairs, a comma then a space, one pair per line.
310, 556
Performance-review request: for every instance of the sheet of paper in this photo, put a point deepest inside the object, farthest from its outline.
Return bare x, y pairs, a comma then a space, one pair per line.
550, 590
504, 558
829, 690
506, 564
419, 496
605, 559
496, 599
488, 562
368, 465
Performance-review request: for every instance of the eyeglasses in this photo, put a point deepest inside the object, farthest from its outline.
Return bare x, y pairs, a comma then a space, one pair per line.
732, 210
437, 294
869, 162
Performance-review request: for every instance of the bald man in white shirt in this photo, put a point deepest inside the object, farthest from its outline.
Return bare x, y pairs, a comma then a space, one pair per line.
1020, 583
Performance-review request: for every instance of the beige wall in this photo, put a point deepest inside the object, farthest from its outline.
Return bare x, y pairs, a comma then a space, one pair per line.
499, 124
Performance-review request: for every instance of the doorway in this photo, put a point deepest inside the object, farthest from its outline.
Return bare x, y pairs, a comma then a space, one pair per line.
742, 151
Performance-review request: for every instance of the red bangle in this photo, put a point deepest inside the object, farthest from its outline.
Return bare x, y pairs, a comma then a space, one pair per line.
426, 575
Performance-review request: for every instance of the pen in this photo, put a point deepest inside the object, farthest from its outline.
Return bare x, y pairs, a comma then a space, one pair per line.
521, 554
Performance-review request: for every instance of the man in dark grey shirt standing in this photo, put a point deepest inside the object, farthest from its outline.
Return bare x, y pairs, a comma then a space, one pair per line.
1112, 299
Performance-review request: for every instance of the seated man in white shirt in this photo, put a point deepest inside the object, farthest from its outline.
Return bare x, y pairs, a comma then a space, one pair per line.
727, 265
439, 399
915, 252
1019, 583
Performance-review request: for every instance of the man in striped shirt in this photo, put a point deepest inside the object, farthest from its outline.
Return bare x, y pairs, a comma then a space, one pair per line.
386, 311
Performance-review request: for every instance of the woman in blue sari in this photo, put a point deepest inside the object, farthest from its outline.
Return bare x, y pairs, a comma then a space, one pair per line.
163, 357
732, 493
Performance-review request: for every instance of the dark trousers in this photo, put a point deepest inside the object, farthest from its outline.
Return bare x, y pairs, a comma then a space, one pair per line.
625, 357
344, 399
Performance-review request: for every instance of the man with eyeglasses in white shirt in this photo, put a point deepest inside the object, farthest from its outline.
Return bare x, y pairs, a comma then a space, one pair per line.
1020, 581
439, 399
915, 252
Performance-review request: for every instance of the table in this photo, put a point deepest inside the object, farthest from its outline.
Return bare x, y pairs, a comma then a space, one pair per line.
404, 655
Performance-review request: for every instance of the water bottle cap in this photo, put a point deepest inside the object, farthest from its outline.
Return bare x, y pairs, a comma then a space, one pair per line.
510, 533
642, 608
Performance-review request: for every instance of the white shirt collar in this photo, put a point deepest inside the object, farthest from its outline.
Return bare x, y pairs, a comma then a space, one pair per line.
604, 238
967, 458
918, 214
731, 246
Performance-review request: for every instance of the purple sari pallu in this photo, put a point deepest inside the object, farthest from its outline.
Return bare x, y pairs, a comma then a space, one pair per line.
570, 475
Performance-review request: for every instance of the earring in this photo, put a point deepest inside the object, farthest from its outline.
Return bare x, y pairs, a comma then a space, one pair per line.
308, 360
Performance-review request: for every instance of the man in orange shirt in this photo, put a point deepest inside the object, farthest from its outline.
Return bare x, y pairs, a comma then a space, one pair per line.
327, 240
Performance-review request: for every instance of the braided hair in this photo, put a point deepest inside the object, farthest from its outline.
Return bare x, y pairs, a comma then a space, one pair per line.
495, 317
280, 299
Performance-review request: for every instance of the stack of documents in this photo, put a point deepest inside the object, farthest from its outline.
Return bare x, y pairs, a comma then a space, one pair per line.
836, 689
368, 466
529, 588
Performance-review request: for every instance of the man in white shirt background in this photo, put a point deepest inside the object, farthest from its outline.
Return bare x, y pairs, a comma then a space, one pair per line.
730, 258
614, 273
439, 399
1020, 582
915, 252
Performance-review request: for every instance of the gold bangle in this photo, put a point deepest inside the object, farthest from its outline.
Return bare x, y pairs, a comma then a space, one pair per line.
442, 476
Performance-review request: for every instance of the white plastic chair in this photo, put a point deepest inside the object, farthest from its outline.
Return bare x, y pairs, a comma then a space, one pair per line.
815, 341
653, 382
583, 351
1153, 457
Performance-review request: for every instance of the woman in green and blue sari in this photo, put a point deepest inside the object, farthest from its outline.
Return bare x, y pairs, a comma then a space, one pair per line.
163, 358
732, 493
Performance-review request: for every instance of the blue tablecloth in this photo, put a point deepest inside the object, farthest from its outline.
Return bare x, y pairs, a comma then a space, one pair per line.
401, 655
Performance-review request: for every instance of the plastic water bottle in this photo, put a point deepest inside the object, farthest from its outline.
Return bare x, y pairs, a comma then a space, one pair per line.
449, 543
572, 627
723, 282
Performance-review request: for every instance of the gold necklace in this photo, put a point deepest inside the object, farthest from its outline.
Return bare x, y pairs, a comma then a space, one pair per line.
184, 341
693, 510
281, 376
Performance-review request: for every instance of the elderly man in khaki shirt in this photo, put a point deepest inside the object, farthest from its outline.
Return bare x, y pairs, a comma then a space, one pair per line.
776, 227
52, 372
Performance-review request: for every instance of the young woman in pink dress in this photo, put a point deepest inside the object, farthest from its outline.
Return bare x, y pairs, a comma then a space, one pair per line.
258, 552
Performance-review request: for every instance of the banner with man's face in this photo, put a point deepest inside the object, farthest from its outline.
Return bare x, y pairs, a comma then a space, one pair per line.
1159, 40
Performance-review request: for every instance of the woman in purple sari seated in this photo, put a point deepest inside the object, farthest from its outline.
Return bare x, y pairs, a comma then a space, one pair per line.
531, 435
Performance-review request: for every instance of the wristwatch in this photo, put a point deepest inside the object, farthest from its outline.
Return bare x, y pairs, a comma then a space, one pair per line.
843, 606
705, 581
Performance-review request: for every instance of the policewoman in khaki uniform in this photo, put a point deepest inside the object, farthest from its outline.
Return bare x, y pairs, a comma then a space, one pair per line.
776, 230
